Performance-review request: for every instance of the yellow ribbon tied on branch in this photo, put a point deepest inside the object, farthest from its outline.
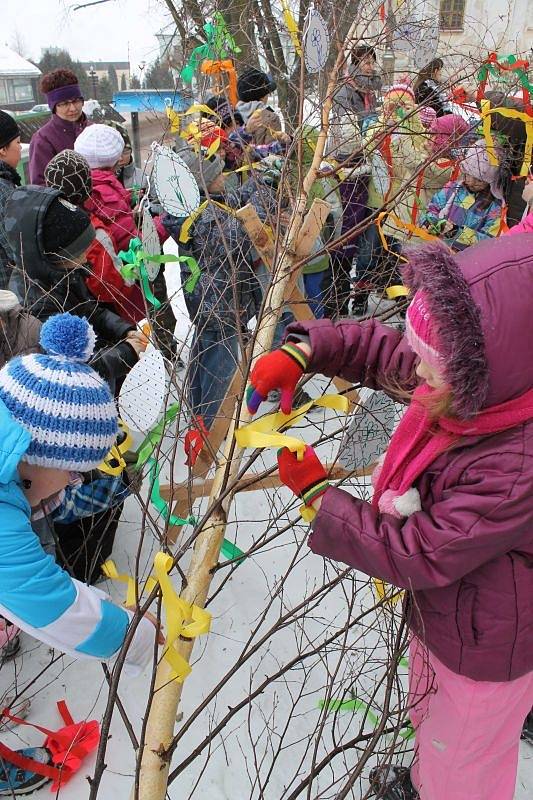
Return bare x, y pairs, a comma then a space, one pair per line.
510, 113
267, 432
182, 620
292, 26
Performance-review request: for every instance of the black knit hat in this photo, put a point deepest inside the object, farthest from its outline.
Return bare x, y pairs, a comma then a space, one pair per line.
70, 174
254, 85
67, 230
9, 129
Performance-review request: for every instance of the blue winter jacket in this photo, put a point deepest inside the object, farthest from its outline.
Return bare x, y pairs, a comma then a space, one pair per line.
39, 596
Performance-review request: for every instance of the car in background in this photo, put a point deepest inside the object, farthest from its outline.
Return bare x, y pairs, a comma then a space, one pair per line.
40, 108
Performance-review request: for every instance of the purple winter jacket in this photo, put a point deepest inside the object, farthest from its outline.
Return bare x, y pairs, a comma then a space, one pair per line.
57, 135
467, 556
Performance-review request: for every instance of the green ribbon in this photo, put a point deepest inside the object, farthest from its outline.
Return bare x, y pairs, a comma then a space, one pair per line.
133, 268
218, 45
358, 705
230, 551
508, 61
144, 456
152, 439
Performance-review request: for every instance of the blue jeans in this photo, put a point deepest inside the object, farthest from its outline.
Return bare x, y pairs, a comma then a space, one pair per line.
213, 360
316, 287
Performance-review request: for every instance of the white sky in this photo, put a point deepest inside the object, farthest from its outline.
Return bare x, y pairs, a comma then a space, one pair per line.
99, 33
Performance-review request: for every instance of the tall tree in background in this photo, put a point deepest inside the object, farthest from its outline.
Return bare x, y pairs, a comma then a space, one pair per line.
258, 25
123, 83
105, 90
112, 77
158, 76
135, 82
62, 59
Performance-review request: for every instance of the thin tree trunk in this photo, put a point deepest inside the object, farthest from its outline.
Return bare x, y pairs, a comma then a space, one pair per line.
155, 764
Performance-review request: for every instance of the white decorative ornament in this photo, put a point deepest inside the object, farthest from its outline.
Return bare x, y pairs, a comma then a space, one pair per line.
150, 244
142, 395
426, 48
315, 41
175, 184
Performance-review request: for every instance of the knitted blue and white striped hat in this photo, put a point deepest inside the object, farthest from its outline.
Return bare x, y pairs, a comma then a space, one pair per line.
61, 401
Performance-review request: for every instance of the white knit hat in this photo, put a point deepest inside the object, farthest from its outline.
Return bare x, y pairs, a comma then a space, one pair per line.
101, 145
8, 301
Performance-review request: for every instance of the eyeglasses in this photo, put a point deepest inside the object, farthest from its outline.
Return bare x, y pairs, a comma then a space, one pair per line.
67, 103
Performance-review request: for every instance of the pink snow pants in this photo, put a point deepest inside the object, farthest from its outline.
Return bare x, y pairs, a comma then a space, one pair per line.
467, 732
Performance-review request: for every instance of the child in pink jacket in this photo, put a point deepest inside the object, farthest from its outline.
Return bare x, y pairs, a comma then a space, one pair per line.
451, 520
110, 202
102, 146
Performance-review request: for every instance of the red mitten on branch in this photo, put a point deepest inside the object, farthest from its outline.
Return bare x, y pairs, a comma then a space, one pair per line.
280, 369
306, 478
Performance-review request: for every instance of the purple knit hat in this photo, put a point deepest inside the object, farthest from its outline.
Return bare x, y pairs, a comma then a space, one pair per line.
456, 324
476, 163
446, 132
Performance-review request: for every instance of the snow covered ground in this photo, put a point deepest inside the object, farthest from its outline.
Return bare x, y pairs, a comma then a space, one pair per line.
228, 769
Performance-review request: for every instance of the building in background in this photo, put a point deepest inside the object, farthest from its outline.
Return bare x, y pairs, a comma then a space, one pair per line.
18, 81
103, 69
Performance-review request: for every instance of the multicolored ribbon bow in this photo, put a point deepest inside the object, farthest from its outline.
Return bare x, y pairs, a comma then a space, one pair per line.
218, 45
496, 65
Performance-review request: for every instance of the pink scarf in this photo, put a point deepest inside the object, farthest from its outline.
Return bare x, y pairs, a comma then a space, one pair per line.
419, 439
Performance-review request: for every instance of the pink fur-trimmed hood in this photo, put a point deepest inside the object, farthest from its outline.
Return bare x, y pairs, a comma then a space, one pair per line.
482, 305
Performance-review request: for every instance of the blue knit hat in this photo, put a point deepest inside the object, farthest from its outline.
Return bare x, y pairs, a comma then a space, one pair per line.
66, 407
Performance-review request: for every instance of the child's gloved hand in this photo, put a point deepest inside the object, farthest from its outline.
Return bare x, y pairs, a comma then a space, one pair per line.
306, 478
280, 369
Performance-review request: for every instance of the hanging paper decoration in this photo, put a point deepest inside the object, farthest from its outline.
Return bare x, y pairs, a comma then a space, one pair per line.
291, 26
175, 184
219, 44
142, 395
150, 245
316, 41
368, 435
416, 37
426, 45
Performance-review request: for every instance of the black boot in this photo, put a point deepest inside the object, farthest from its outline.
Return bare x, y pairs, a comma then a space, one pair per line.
527, 730
391, 782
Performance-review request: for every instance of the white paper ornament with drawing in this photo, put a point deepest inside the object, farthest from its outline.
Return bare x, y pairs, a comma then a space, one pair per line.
142, 395
426, 48
150, 244
175, 184
315, 41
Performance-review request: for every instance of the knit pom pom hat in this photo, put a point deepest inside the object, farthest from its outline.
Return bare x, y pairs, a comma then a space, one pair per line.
65, 406
101, 145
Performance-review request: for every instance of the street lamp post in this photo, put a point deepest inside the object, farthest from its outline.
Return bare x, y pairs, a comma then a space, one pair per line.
94, 80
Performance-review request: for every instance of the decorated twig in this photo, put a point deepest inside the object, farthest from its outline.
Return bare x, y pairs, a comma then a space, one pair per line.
154, 764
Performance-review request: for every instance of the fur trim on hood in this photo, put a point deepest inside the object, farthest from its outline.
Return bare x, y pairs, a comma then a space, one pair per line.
434, 269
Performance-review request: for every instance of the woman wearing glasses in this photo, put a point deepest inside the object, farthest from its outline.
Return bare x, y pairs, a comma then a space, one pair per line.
68, 120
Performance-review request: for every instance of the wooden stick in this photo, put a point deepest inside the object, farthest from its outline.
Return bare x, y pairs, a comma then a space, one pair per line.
202, 487
155, 760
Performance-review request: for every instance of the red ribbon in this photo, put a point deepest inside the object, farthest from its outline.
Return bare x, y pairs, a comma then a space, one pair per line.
68, 747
